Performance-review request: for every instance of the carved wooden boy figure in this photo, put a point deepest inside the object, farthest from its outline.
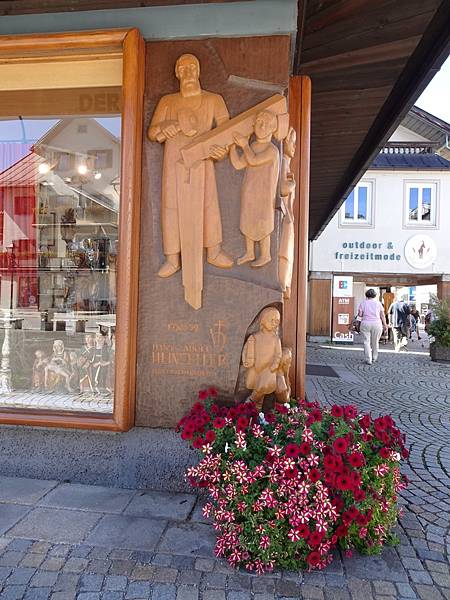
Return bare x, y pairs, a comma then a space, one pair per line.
266, 362
261, 161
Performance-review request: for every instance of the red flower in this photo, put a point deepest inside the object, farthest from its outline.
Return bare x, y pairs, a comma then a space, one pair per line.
292, 450
329, 462
242, 423
212, 392
314, 475
233, 412
337, 411
350, 412
313, 558
198, 442
214, 409
342, 531
405, 453
340, 445
187, 434
303, 530
330, 478
380, 424
365, 421
210, 436
291, 472
281, 408
356, 459
343, 482
384, 452
359, 495
317, 414
315, 539
305, 448
203, 394
219, 423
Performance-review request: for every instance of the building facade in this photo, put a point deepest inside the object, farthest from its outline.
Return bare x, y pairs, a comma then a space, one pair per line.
392, 230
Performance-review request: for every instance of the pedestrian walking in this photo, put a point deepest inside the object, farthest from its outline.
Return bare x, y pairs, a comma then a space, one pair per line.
373, 324
414, 323
398, 318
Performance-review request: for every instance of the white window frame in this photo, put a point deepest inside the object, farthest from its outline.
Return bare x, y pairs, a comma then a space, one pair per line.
355, 222
434, 213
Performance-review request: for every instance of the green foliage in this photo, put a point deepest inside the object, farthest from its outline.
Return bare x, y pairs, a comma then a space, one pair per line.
439, 328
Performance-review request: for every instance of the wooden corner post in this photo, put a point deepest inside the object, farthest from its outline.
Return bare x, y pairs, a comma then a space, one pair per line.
295, 308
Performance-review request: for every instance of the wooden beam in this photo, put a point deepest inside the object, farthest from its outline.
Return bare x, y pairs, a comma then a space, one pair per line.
295, 308
364, 56
22, 7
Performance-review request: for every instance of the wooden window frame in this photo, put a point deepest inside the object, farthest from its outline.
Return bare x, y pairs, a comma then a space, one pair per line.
130, 44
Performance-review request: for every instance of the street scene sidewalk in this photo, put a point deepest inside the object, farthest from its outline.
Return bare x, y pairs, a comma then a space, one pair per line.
67, 541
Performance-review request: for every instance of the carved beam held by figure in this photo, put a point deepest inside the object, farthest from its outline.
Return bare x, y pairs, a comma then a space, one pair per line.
200, 149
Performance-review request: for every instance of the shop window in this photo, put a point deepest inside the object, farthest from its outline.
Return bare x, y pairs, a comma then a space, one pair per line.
60, 226
357, 208
421, 204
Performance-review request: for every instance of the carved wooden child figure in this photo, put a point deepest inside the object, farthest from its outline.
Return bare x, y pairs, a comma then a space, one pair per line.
287, 189
261, 161
262, 356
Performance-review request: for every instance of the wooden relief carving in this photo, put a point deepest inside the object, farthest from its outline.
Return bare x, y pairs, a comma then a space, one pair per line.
195, 128
267, 363
287, 190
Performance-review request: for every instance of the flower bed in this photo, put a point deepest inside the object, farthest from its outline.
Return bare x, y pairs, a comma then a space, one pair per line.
289, 486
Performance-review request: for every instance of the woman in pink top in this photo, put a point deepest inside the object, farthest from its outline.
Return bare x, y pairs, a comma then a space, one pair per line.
373, 323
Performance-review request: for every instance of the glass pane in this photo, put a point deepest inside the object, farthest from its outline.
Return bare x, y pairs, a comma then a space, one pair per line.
362, 203
426, 204
59, 218
413, 203
349, 206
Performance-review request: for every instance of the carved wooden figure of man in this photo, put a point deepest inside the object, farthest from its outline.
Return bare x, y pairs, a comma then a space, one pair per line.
266, 362
287, 189
178, 119
261, 161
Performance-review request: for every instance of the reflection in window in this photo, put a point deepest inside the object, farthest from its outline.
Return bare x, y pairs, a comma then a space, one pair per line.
362, 203
357, 207
422, 203
349, 206
59, 214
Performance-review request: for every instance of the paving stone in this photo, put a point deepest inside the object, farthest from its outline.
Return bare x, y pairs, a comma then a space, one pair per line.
66, 582
63, 596
162, 591
405, 590
214, 581
164, 575
115, 583
10, 514
420, 577
288, 588
213, 595
44, 579
88, 497
384, 588
336, 593
138, 589
133, 533
23, 490
80, 551
162, 560
76, 565
55, 525
121, 567
40, 547
189, 577
89, 596
53, 564
20, 576
194, 539
165, 505
441, 579
38, 593
13, 592
204, 564
90, 582
11, 559
311, 592
142, 572
439, 567
187, 592
239, 582
182, 562
143, 557
60, 550
98, 566
238, 595
32, 560
264, 596
19, 545
427, 592
263, 585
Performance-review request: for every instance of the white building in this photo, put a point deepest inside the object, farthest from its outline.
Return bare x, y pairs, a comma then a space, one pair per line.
393, 230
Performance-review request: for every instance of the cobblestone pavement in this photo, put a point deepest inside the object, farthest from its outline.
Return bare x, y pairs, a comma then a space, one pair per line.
63, 541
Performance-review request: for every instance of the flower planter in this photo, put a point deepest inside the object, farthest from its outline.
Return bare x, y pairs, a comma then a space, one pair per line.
439, 353
289, 486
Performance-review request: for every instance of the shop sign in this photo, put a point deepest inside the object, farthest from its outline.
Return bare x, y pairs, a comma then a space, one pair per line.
420, 251
342, 286
380, 251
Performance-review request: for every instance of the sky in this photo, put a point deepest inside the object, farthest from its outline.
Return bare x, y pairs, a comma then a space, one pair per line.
436, 97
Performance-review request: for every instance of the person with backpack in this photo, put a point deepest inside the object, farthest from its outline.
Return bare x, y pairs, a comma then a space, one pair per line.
398, 318
373, 323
